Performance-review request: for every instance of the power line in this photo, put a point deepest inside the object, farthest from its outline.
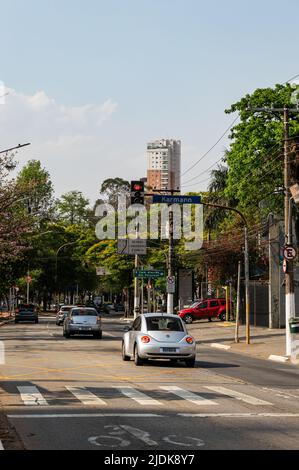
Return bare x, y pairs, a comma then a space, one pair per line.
213, 146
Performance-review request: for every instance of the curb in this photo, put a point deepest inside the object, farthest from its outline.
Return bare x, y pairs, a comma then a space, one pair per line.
6, 322
275, 358
220, 346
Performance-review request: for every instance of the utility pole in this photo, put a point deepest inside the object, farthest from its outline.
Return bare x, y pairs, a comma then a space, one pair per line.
170, 261
238, 304
289, 275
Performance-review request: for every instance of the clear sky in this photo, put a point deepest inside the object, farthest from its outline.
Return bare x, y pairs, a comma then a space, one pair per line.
91, 82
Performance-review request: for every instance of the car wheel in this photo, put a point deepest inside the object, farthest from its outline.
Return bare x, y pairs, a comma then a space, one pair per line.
190, 362
222, 316
210, 319
16, 321
98, 335
66, 335
137, 359
124, 356
188, 319
36, 321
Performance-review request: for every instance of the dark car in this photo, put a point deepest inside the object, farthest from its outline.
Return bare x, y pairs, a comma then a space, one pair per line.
209, 308
26, 312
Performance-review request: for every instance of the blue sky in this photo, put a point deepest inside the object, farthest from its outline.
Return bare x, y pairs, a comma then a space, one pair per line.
112, 75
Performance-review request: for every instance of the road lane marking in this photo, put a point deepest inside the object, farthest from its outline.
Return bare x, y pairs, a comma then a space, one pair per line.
85, 415
85, 396
152, 415
31, 396
281, 393
238, 395
189, 396
137, 396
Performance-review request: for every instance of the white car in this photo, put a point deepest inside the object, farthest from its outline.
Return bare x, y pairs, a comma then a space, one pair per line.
158, 336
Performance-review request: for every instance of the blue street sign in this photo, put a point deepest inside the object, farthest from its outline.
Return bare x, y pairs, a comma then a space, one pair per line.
176, 199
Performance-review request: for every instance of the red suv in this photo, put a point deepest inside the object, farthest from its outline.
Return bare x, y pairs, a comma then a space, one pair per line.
209, 308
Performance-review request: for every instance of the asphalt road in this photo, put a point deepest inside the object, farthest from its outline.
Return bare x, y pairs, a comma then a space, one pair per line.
79, 394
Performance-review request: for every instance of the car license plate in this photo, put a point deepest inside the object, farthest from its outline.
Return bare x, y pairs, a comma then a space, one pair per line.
170, 350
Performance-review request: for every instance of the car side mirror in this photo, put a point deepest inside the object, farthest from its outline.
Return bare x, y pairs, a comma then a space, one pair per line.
127, 328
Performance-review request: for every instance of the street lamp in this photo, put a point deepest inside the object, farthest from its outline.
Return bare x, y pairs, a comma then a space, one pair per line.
246, 263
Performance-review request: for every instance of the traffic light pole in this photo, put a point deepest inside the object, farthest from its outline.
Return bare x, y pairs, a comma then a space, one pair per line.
170, 261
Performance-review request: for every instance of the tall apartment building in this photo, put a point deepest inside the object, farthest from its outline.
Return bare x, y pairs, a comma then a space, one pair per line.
164, 164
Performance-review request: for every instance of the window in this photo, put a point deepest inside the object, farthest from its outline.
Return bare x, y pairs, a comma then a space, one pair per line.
203, 305
223, 302
214, 303
164, 324
76, 312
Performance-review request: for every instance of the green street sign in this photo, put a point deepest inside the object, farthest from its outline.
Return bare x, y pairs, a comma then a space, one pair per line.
149, 273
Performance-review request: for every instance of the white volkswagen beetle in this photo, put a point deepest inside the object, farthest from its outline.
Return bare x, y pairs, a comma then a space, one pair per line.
158, 336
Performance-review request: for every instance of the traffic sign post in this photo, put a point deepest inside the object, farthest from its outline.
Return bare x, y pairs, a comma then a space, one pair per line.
160, 199
171, 284
289, 253
136, 246
148, 274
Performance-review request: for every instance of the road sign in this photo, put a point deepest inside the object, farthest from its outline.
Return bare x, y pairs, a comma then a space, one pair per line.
149, 273
170, 284
289, 253
131, 247
101, 271
159, 199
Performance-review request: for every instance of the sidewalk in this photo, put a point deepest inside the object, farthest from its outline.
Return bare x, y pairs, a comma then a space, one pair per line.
263, 341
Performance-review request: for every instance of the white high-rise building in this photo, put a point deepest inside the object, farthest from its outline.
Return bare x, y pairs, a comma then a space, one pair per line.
164, 164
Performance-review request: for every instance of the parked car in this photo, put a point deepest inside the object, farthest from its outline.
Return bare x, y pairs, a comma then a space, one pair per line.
26, 312
119, 307
82, 321
158, 336
209, 308
62, 313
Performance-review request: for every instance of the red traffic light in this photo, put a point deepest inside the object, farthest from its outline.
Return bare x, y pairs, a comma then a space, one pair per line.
137, 186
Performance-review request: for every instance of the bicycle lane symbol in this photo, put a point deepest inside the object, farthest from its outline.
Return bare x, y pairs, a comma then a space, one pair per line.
120, 434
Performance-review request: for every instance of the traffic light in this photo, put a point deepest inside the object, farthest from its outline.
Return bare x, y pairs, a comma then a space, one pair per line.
137, 192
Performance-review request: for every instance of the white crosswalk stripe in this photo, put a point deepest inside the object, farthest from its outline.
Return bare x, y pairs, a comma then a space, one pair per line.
138, 396
238, 395
189, 396
85, 396
31, 396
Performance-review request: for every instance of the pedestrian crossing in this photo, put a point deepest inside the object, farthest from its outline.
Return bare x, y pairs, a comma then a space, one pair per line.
208, 396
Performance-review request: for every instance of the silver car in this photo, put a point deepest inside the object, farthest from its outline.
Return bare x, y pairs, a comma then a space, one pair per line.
63, 311
82, 321
158, 336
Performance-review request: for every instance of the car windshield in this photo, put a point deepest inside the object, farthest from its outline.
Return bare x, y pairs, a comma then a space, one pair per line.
195, 304
26, 307
65, 309
164, 324
84, 312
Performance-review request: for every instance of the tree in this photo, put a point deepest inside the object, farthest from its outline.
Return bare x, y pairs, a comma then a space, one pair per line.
37, 183
255, 157
112, 188
73, 208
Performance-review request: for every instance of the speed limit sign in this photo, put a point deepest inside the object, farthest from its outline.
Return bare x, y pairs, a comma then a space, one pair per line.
289, 253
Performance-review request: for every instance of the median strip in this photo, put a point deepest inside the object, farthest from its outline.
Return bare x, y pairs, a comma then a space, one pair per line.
275, 358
